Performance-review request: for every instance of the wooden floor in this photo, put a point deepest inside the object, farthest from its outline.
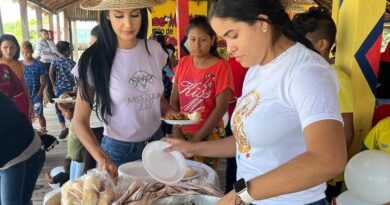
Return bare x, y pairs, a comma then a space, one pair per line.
56, 156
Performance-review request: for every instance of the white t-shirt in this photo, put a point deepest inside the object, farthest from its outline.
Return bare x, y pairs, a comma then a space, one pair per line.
136, 88
278, 101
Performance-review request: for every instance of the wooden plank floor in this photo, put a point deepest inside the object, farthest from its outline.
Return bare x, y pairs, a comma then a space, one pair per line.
56, 156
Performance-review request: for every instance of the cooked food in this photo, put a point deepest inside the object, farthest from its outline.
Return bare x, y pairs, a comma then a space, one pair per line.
176, 116
194, 116
90, 197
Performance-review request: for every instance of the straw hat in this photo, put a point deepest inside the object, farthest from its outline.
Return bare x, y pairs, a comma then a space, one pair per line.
119, 4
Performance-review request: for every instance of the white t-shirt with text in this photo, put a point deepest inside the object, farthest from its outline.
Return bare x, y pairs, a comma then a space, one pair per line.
136, 88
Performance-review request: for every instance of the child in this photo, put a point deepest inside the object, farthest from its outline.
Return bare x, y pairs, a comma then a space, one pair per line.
203, 82
75, 149
35, 77
61, 78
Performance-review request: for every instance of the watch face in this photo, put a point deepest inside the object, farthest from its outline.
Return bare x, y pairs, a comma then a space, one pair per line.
239, 185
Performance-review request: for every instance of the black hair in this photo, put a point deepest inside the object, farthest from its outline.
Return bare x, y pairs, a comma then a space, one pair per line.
319, 22
9, 37
96, 62
248, 11
63, 47
43, 30
95, 31
27, 45
202, 23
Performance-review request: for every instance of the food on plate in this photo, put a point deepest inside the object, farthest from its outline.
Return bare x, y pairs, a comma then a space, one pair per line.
189, 172
176, 116
194, 116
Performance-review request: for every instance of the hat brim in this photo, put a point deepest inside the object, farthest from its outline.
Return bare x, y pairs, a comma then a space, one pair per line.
99, 5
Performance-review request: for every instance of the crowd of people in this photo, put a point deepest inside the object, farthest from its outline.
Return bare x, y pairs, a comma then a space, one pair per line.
291, 111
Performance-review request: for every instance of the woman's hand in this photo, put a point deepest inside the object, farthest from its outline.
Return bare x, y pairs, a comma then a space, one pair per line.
185, 147
106, 164
229, 199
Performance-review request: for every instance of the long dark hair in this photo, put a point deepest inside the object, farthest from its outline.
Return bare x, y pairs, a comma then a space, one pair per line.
249, 10
202, 23
96, 62
9, 37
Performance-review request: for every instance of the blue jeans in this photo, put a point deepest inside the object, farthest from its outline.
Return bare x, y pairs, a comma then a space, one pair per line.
122, 152
17, 182
320, 202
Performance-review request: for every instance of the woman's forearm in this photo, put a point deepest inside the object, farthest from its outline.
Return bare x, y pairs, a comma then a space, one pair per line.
222, 148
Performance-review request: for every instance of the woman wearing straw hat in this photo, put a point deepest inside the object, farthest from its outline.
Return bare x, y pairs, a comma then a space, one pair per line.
122, 73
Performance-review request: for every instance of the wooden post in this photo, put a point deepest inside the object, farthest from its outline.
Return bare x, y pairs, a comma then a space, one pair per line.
66, 28
183, 19
58, 29
1, 24
38, 11
51, 27
75, 41
24, 19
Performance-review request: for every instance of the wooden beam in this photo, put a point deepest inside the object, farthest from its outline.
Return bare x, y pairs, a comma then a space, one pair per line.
38, 11
43, 6
24, 19
1, 24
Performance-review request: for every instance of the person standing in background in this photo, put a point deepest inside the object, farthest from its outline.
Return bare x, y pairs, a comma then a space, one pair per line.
9, 55
36, 77
319, 28
44, 54
52, 45
62, 79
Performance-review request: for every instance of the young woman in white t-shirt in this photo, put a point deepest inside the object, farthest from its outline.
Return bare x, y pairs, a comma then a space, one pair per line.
122, 73
288, 132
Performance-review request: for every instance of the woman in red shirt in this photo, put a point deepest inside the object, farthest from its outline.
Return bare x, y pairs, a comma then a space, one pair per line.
203, 82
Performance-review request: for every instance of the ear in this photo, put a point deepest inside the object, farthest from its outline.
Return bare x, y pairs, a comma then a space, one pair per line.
262, 23
322, 45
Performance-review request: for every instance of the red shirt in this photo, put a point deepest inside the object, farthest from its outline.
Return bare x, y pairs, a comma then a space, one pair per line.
11, 86
199, 88
239, 73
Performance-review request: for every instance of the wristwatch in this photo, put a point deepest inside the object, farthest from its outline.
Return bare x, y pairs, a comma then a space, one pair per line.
241, 189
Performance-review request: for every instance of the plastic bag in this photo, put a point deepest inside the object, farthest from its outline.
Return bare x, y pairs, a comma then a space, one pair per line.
94, 188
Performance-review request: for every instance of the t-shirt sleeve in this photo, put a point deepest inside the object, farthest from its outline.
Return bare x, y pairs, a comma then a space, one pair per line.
224, 79
313, 92
345, 94
370, 142
75, 72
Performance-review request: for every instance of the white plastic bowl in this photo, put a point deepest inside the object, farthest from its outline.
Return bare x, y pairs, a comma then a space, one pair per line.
135, 171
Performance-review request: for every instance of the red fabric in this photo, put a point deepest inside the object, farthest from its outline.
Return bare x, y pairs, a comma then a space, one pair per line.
380, 113
385, 56
13, 88
198, 88
239, 73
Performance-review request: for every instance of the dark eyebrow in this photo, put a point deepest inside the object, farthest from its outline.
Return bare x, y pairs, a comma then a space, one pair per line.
227, 33
117, 11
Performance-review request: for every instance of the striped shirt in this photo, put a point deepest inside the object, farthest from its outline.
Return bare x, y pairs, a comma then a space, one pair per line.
43, 52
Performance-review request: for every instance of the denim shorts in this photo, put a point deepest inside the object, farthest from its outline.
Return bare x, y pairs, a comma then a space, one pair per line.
122, 152
38, 105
